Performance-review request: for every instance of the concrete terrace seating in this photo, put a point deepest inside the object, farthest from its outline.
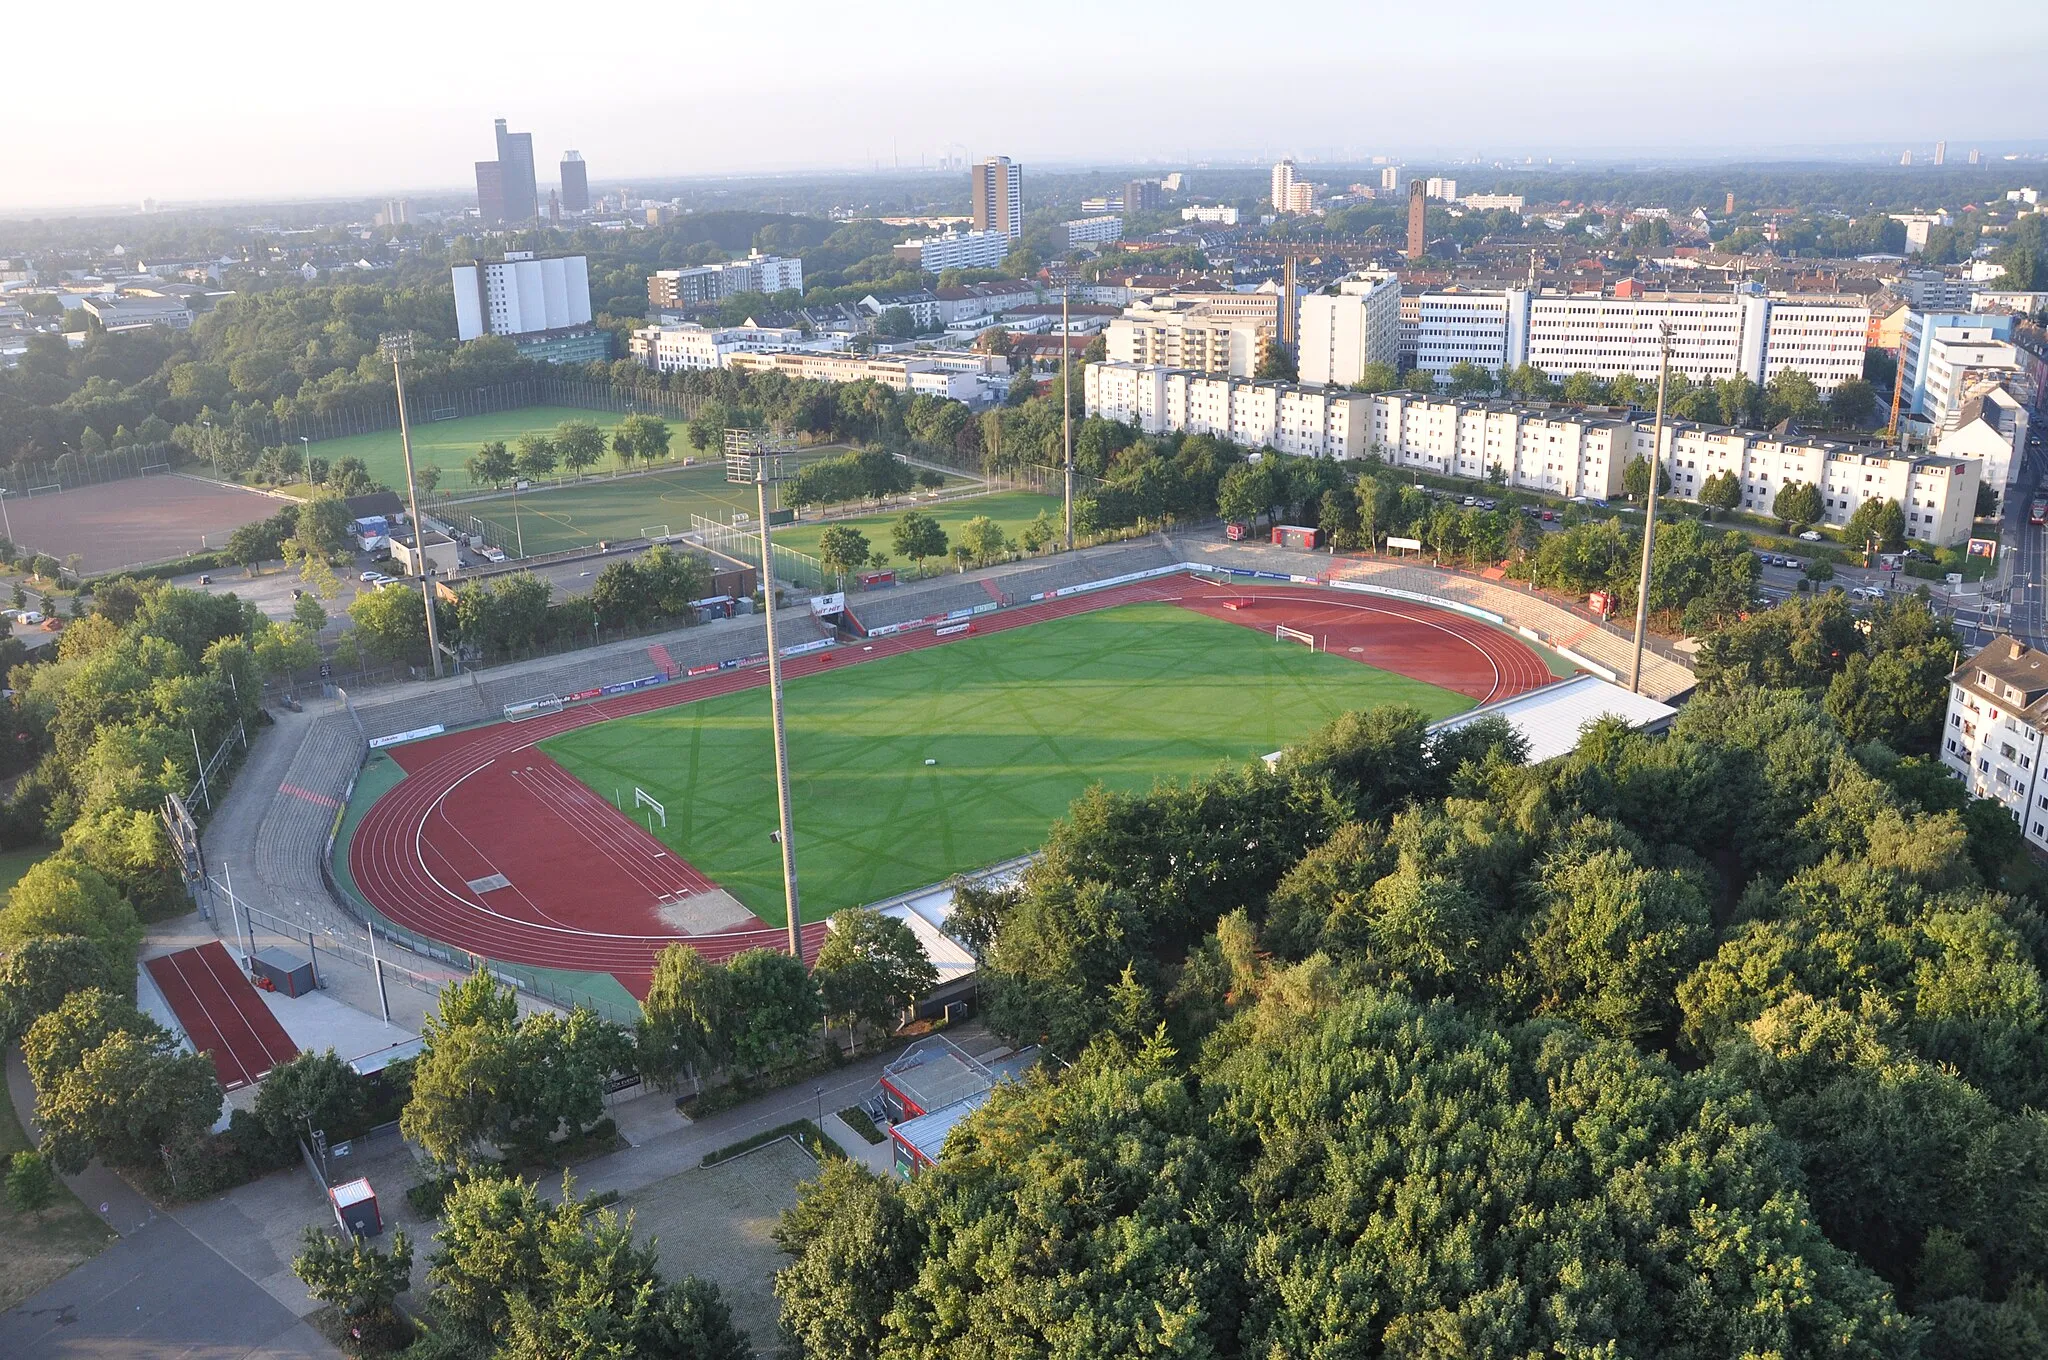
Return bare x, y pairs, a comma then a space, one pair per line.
292, 837
1020, 581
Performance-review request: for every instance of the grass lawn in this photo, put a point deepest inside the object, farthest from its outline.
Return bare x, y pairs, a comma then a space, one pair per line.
1019, 722
36, 1249
1011, 509
554, 518
446, 444
15, 863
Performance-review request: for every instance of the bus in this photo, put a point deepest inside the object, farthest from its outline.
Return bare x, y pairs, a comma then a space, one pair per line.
2037, 509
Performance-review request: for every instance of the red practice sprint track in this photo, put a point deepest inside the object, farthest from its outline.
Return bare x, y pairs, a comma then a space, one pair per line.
222, 1014
587, 883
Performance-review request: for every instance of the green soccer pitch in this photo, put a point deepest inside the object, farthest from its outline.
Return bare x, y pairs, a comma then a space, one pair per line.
1020, 722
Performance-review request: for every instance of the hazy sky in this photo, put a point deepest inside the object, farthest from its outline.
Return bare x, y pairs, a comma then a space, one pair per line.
217, 98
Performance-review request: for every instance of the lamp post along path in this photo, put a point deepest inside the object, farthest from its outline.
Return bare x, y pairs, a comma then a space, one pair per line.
749, 460
1635, 669
1067, 401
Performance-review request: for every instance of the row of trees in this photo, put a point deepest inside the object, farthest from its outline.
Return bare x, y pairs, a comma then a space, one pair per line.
1405, 1046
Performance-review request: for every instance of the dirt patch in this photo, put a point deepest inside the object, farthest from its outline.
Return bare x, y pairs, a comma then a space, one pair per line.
706, 913
37, 1249
142, 519
716, 1222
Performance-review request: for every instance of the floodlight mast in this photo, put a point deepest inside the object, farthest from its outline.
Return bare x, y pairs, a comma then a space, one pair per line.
1635, 669
397, 347
747, 459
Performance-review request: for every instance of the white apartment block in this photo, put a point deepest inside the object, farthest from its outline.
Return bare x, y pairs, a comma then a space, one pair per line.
704, 283
1222, 214
956, 250
1955, 355
1108, 227
667, 349
1214, 332
1341, 335
1544, 447
1993, 737
1494, 202
1933, 290
521, 295
1440, 188
1991, 427
913, 374
1713, 336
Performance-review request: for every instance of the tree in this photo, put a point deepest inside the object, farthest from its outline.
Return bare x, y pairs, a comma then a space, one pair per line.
1276, 362
129, 1097
466, 1069
323, 526
537, 455
772, 1010
1792, 395
1034, 536
918, 536
308, 614
62, 896
427, 477
1797, 503
130, 849
870, 969
1877, 524
580, 444
1635, 479
353, 1276
314, 1091
1722, 491
391, 625
984, 540
1377, 377
1467, 379
1852, 404
31, 1183
491, 465
644, 436
39, 972
843, 548
684, 1021
856, 1247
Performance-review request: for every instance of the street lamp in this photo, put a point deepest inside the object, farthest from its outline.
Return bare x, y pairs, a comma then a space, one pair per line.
747, 460
213, 447
306, 458
397, 347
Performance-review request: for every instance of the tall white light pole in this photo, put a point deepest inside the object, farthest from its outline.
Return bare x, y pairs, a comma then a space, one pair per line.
1067, 400
747, 461
1635, 669
398, 348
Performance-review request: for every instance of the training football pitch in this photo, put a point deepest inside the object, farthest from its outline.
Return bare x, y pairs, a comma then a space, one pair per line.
1011, 509
1019, 723
447, 444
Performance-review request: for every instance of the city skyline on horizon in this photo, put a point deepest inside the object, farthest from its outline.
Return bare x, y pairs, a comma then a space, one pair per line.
371, 119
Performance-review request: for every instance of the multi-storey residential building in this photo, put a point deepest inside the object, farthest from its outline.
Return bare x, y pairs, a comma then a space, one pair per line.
1538, 446
1283, 184
707, 283
955, 250
1933, 290
1992, 740
1108, 227
971, 301
1222, 214
1990, 426
522, 294
913, 374
1950, 358
922, 306
1439, 188
1713, 336
996, 188
1342, 334
1513, 203
1183, 338
1143, 195
1937, 494
667, 349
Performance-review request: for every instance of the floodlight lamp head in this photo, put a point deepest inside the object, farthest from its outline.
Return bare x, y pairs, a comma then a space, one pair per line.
397, 345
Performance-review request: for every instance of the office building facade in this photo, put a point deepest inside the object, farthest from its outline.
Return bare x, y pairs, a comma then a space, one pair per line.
515, 164
575, 183
1341, 335
997, 191
490, 192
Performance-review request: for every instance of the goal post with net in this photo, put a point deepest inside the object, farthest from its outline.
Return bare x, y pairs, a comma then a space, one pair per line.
643, 799
533, 708
1282, 633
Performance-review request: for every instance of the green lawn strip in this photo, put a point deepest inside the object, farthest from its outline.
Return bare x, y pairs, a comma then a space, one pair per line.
1019, 724
803, 1130
1011, 509
15, 863
38, 1248
379, 777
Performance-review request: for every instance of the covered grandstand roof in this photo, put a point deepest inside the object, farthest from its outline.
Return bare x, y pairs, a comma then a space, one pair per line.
1550, 719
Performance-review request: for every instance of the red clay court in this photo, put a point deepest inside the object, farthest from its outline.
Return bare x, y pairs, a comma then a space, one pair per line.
137, 520
222, 1013
482, 812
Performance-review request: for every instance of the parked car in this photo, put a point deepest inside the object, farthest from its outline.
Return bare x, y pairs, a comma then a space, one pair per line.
370, 578
1811, 535
1550, 514
204, 579
1915, 555
30, 617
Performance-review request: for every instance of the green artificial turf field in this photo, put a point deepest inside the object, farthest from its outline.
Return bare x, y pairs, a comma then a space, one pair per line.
447, 444
1021, 722
1011, 509
555, 518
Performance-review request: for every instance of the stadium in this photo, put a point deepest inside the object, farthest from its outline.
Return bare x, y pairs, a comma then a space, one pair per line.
567, 835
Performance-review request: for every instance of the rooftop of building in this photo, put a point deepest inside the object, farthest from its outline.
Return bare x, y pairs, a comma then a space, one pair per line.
2021, 673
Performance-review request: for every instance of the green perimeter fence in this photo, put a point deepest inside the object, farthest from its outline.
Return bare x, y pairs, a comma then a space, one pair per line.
74, 470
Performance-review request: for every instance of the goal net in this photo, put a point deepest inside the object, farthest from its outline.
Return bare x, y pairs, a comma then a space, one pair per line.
533, 708
155, 469
1282, 633
654, 533
643, 799
443, 413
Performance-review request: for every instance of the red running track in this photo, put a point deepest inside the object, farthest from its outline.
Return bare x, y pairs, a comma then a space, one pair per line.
484, 801
1452, 651
222, 1014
